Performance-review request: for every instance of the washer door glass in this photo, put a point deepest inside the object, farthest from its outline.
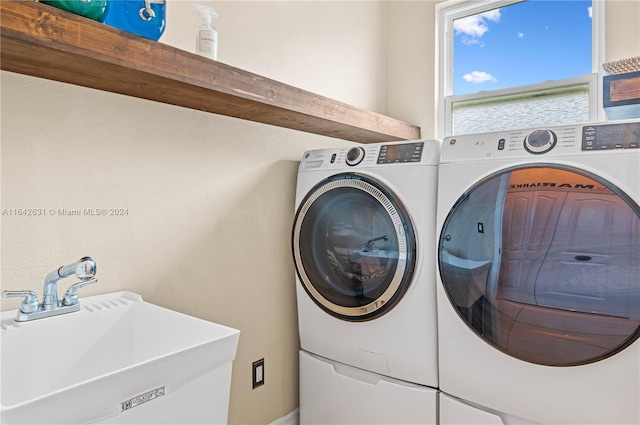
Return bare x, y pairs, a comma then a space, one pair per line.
543, 263
354, 247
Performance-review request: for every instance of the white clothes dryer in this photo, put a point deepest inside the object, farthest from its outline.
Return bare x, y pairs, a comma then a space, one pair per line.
365, 259
539, 272
454, 411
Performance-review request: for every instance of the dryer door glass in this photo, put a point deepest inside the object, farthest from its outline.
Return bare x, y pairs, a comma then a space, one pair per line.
354, 247
543, 263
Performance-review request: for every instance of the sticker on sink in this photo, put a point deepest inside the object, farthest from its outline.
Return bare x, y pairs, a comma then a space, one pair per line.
142, 398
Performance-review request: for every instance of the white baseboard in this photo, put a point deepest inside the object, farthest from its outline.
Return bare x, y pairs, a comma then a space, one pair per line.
293, 418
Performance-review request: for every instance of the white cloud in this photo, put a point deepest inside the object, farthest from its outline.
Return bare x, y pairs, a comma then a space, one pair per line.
476, 25
478, 77
590, 12
472, 41
492, 15
520, 34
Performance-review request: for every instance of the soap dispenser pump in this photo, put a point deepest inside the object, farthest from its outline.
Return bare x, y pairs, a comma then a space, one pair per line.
206, 36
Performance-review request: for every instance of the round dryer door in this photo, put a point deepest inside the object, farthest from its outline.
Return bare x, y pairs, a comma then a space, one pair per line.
542, 262
354, 247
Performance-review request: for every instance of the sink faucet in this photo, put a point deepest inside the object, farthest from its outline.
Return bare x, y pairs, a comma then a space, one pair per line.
84, 269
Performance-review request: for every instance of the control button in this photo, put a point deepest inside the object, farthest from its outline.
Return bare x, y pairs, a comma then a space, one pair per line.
333, 158
355, 156
540, 141
501, 144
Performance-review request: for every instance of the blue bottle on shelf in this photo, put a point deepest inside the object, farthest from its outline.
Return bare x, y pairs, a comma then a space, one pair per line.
141, 17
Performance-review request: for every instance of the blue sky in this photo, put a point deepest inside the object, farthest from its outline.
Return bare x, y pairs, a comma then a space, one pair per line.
524, 43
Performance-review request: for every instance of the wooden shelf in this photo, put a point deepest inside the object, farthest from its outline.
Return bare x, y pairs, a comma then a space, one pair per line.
42, 41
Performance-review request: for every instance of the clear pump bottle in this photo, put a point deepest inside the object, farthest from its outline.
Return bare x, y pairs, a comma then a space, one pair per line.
206, 35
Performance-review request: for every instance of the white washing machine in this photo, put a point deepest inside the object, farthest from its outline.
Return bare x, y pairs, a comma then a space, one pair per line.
539, 275
338, 394
365, 260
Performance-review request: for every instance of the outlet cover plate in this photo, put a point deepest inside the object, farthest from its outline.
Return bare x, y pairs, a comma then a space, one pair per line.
258, 373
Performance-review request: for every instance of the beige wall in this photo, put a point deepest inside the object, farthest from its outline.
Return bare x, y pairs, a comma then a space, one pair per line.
622, 30
210, 199
411, 51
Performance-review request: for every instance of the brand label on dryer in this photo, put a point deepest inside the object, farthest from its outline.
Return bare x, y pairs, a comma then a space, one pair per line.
142, 398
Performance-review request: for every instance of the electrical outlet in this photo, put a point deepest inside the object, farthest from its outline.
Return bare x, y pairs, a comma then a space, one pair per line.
258, 373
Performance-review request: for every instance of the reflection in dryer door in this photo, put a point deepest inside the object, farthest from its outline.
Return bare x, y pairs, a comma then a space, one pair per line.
563, 249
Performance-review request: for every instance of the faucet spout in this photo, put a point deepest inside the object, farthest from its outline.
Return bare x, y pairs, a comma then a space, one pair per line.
85, 269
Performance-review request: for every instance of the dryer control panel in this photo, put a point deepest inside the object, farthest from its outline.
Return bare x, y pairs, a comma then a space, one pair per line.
611, 136
588, 138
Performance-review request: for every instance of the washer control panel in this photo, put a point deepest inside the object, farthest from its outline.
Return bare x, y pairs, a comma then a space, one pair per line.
375, 154
395, 153
398, 153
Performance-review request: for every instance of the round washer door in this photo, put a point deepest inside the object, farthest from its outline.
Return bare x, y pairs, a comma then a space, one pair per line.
354, 247
543, 263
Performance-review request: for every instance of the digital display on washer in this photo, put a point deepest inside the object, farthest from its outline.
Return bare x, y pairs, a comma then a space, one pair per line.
611, 136
405, 152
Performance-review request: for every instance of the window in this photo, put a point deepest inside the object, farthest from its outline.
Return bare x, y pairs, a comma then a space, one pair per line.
508, 64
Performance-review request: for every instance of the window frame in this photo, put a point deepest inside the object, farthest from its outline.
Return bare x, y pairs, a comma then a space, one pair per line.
450, 10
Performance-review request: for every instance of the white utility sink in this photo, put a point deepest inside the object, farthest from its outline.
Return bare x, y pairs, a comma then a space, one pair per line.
117, 360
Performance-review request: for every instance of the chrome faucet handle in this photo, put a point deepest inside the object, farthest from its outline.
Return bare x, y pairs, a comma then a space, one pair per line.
30, 303
71, 296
